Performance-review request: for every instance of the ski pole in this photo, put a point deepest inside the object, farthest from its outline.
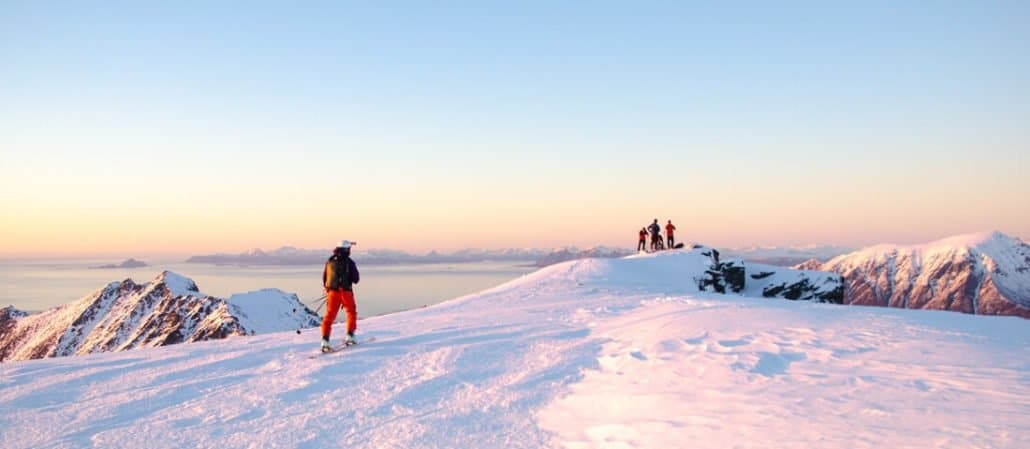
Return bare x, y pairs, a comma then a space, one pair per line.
323, 298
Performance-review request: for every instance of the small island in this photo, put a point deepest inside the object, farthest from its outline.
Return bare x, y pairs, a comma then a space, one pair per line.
127, 263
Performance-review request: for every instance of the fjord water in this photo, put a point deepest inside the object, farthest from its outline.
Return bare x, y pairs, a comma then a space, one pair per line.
34, 285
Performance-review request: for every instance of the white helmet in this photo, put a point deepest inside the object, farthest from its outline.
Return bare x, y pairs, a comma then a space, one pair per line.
346, 244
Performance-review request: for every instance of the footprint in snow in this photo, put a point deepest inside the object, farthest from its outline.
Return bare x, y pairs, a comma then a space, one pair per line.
696, 340
734, 343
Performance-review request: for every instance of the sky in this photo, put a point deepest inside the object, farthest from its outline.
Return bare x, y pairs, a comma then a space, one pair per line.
187, 127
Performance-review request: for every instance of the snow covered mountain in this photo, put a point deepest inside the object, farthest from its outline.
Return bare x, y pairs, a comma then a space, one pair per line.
985, 274
594, 353
125, 315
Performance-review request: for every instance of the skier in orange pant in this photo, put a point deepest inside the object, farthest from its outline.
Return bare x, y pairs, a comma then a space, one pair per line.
338, 277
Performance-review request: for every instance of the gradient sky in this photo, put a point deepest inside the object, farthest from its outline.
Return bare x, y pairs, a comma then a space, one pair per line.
186, 127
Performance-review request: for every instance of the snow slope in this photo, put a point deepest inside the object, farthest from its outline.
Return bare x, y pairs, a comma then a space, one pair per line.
595, 353
985, 273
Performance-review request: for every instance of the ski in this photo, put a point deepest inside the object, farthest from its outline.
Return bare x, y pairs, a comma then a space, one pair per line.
340, 347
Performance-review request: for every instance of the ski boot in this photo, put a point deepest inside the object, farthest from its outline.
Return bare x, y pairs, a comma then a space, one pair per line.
349, 340
325, 345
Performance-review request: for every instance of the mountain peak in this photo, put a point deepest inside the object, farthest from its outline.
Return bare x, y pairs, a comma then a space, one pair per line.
177, 284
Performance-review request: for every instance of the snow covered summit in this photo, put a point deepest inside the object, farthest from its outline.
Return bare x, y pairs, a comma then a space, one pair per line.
167, 310
596, 353
985, 273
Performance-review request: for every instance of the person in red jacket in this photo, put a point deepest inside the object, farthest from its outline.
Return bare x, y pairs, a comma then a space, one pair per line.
642, 243
668, 233
339, 276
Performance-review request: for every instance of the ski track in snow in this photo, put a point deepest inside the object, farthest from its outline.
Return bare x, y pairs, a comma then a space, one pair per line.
578, 355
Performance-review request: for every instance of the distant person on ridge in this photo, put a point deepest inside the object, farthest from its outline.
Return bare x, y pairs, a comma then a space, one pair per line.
669, 228
655, 234
642, 243
338, 277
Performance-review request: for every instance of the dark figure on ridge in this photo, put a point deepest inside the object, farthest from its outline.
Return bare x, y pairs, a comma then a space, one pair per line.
656, 237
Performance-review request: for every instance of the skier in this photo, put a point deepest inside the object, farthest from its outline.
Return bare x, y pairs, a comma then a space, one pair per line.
669, 228
338, 277
656, 236
642, 243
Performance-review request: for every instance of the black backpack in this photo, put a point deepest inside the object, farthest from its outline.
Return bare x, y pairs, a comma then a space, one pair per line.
337, 273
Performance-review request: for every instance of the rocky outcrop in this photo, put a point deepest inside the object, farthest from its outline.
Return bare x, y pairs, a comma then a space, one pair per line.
10, 313
984, 274
167, 310
8, 320
769, 281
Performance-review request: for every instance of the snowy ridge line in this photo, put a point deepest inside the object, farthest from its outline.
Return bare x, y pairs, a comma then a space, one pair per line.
167, 310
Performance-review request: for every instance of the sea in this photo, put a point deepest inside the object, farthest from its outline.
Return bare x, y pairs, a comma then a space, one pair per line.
36, 285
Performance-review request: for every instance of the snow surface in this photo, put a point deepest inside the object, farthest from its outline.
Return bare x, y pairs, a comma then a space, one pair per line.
266, 310
596, 353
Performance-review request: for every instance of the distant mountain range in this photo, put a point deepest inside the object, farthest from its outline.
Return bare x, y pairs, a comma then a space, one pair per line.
787, 255
125, 315
985, 274
573, 253
127, 263
294, 256
288, 255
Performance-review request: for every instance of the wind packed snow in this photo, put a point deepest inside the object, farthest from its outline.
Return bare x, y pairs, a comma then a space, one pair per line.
597, 353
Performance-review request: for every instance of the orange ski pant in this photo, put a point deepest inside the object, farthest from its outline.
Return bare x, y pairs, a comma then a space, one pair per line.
334, 300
